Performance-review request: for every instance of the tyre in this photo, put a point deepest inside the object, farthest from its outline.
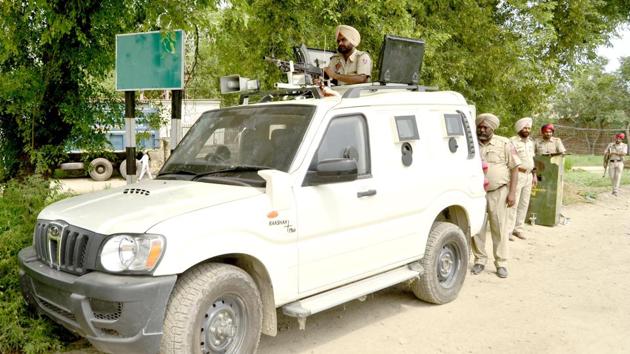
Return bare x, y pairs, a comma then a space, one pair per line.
214, 308
101, 169
445, 262
70, 166
123, 168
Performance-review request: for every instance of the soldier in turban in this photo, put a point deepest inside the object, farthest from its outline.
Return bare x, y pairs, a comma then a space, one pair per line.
614, 159
503, 162
526, 177
549, 144
349, 65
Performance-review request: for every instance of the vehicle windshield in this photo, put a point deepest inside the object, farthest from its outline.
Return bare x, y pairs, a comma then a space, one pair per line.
237, 142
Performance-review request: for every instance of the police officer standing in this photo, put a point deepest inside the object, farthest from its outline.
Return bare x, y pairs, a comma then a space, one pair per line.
500, 155
526, 177
549, 144
614, 155
349, 65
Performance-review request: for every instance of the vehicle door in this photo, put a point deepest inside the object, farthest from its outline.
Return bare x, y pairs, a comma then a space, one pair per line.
337, 238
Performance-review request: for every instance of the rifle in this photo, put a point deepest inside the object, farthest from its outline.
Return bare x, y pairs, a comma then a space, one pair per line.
310, 71
606, 159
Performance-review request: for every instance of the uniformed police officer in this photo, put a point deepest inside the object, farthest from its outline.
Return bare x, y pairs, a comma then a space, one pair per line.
549, 144
349, 65
526, 177
500, 155
614, 154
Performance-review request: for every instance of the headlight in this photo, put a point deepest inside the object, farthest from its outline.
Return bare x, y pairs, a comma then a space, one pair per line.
135, 253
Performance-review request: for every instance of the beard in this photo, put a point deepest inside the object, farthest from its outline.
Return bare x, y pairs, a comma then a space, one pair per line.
343, 49
484, 136
523, 134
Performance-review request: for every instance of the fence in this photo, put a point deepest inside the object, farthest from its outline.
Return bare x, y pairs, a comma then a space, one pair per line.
588, 141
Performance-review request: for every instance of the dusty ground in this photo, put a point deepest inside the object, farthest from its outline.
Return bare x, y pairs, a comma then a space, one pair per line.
86, 185
568, 292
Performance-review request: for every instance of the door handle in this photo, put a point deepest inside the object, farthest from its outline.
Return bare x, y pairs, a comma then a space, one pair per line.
367, 193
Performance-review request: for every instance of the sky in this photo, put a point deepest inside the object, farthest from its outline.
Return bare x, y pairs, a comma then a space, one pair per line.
620, 47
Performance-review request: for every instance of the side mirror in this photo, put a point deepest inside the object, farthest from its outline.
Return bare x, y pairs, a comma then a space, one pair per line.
333, 171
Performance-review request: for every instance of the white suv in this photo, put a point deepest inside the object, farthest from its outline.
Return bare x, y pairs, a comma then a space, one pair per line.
300, 205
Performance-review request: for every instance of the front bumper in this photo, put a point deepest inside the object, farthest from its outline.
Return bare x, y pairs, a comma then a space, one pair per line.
116, 313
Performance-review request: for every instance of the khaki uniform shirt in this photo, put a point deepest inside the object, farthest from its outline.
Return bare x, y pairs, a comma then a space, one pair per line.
551, 146
525, 150
501, 157
358, 63
620, 148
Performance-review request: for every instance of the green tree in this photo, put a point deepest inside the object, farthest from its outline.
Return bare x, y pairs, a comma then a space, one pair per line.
54, 57
504, 56
596, 99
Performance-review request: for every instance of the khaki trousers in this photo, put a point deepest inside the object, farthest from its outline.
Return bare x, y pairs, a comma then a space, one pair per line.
496, 213
614, 171
517, 214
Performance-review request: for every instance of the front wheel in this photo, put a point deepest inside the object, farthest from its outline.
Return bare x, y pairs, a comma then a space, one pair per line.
445, 262
214, 308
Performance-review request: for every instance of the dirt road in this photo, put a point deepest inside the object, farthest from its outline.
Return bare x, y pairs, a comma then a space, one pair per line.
568, 292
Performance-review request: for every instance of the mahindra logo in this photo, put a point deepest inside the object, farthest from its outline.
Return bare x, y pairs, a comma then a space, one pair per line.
54, 237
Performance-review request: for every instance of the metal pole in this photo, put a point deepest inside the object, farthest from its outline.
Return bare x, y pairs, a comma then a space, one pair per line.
176, 118
130, 135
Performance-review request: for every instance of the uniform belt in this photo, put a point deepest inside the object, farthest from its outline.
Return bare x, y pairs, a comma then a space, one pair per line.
496, 189
522, 169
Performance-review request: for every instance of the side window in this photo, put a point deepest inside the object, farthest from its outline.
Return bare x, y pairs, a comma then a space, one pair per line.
453, 123
346, 137
407, 128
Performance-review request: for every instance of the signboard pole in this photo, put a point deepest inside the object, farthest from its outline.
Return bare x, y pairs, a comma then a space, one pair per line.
130, 129
176, 118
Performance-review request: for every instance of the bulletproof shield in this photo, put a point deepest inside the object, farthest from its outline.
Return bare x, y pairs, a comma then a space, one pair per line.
546, 199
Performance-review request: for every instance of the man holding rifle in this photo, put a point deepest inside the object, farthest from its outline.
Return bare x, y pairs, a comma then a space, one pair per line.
349, 65
613, 160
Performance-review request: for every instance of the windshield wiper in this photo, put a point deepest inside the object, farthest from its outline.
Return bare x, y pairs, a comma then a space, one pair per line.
240, 168
177, 172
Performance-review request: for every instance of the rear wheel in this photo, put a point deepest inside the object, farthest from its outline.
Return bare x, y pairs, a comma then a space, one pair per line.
445, 261
101, 169
214, 308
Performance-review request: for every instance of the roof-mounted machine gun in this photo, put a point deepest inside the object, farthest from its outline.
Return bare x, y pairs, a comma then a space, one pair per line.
298, 74
307, 70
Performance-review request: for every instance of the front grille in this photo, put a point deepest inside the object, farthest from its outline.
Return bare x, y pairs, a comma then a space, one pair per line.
72, 250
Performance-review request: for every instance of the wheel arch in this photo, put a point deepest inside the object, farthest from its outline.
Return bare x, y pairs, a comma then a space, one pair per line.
256, 269
457, 215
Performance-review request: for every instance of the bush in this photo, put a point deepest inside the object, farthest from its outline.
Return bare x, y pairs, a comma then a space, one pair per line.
21, 330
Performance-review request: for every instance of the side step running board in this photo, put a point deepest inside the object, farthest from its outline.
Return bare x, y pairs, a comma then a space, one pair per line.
331, 298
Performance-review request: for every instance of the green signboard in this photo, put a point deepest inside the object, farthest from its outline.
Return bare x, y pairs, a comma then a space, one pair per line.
150, 61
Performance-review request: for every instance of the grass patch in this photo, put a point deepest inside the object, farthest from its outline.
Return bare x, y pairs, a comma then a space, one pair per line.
583, 186
20, 330
584, 160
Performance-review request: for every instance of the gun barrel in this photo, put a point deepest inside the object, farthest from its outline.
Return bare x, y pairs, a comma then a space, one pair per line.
285, 66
